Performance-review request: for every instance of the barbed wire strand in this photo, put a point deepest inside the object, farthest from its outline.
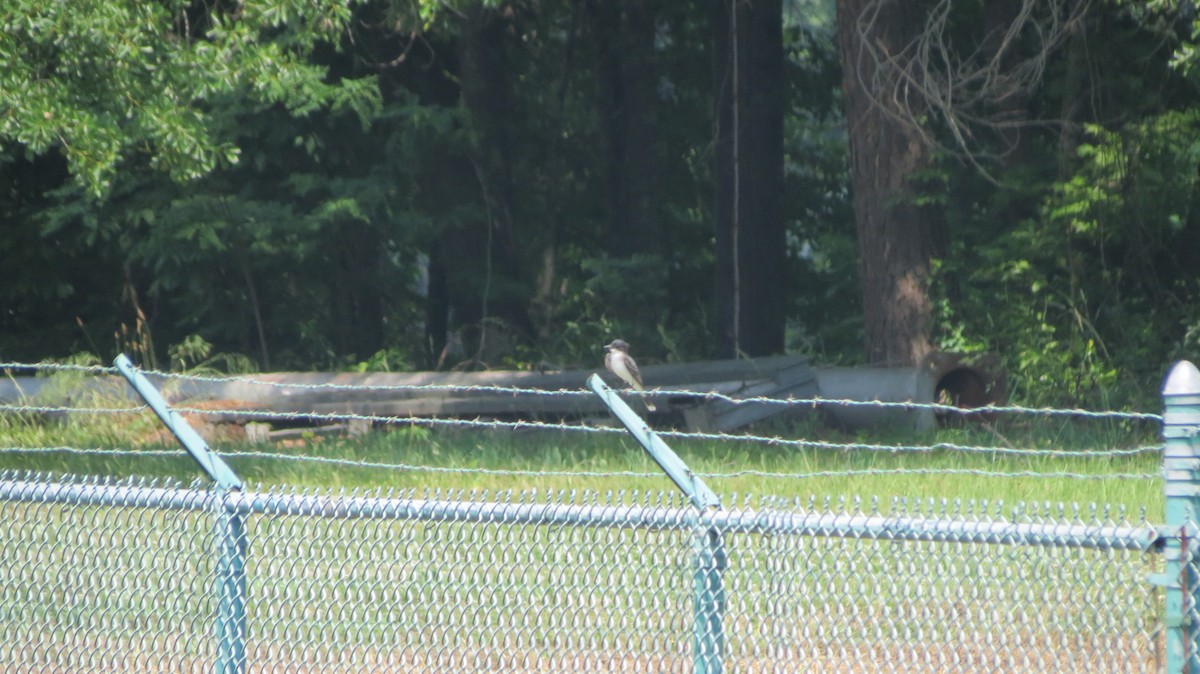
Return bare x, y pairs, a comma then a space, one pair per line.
362, 463
532, 425
59, 367
689, 435
69, 409
937, 408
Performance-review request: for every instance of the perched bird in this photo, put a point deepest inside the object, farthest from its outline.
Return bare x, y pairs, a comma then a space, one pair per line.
618, 362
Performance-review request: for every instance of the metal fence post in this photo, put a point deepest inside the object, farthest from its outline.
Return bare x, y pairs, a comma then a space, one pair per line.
229, 530
1181, 470
708, 648
231, 588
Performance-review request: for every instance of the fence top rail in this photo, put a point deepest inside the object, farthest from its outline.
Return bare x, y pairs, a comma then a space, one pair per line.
942, 521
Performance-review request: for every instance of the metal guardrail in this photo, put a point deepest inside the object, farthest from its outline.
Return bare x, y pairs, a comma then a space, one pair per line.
102, 576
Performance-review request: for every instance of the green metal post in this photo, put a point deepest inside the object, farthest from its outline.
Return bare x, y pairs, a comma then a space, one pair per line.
209, 461
229, 530
231, 588
709, 543
670, 463
709, 604
1181, 469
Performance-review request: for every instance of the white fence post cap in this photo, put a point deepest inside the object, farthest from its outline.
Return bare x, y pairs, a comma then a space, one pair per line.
1184, 379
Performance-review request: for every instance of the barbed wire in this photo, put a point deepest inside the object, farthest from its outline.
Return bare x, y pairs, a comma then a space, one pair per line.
506, 472
898, 449
937, 408
938, 471
59, 367
533, 425
515, 425
84, 451
687, 435
69, 409
951, 409
398, 388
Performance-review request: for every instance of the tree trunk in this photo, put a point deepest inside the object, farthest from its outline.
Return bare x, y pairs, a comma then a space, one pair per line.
894, 233
750, 283
624, 41
358, 300
437, 307
484, 82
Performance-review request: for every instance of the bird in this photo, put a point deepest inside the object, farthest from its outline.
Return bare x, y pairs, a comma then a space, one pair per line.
618, 361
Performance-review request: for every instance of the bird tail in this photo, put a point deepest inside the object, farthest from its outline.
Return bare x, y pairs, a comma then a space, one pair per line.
649, 405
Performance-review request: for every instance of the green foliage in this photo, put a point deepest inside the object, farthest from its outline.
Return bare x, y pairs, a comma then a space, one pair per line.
195, 356
1093, 294
108, 83
387, 360
274, 181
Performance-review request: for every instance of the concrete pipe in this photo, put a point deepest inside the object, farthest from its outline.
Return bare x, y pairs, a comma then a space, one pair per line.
900, 384
966, 381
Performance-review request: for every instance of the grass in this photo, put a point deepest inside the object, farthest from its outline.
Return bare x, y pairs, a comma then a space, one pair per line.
459, 459
446, 589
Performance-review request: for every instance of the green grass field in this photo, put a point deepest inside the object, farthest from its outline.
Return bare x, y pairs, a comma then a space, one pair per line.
449, 458
440, 595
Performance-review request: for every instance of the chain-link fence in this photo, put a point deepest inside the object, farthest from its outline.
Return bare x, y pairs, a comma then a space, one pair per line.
101, 577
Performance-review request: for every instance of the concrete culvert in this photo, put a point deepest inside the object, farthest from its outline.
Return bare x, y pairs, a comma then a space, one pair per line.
966, 382
961, 380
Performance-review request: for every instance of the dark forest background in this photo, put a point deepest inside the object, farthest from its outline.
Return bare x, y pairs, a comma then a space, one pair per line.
392, 184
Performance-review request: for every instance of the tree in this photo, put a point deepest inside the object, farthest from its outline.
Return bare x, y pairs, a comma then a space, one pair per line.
623, 33
915, 87
486, 93
1073, 261
116, 105
749, 289
114, 84
887, 156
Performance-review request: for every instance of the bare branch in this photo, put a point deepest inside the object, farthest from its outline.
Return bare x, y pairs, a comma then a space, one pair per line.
975, 95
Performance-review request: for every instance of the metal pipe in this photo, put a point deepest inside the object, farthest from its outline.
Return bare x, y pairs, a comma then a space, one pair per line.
229, 529
683, 477
1181, 422
901, 385
195, 445
745, 521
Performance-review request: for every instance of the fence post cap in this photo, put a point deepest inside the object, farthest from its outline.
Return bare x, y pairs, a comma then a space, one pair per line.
1184, 379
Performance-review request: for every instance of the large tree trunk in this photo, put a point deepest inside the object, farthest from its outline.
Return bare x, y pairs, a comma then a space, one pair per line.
624, 38
484, 81
750, 284
886, 155
358, 302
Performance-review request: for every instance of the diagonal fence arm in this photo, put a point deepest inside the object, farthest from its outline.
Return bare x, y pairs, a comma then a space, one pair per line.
709, 556
230, 529
683, 477
209, 461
